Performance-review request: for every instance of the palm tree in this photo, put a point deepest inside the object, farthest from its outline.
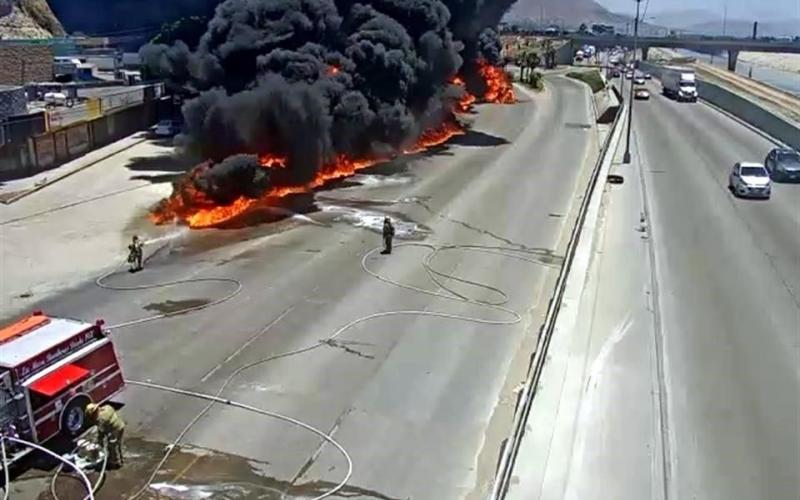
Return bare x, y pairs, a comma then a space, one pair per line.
549, 54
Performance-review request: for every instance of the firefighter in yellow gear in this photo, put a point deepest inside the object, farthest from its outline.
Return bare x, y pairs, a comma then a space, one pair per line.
136, 254
110, 428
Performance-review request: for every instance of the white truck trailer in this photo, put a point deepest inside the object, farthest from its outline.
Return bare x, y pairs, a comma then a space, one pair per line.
679, 83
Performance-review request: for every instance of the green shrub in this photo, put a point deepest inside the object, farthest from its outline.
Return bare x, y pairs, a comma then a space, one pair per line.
536, 81
593, 78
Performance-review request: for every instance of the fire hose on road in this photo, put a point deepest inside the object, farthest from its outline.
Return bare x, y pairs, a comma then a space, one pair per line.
90, 488
437, 277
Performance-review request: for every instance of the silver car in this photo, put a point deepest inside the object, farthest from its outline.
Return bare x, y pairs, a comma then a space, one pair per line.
783, 164
750, 180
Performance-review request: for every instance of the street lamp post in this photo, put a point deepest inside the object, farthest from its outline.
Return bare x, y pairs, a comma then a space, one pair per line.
627, 157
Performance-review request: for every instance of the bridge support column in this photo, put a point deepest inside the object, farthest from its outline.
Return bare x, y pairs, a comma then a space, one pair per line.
645, 52
733, 58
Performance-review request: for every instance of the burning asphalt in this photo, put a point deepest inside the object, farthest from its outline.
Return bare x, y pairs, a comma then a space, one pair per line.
287, 96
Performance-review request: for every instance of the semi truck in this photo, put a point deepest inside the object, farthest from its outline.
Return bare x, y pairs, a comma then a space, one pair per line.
679, 83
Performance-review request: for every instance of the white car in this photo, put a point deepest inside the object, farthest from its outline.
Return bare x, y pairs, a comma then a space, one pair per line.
642, 94
638, 80
750, 180
166, 128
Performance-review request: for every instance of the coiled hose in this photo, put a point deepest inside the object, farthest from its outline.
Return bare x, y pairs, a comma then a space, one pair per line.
95, 487
435, 276
90, 489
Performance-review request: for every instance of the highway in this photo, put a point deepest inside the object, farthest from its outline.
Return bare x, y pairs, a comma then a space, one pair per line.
681, 378
420, 403
728, 274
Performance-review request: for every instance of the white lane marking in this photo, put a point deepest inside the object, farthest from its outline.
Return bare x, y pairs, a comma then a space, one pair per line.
246, 344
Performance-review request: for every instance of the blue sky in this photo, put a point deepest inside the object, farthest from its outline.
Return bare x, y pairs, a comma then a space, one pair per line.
741, 9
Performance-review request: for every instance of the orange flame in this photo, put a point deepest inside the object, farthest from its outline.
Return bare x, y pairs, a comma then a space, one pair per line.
192, 206
499, 88
467, 100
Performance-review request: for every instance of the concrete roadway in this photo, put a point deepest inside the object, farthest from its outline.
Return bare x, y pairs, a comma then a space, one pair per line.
683, 375
421, 404
728, 273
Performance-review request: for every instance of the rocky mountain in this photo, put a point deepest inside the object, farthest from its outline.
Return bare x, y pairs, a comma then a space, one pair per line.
684, 18
571, 13
706, 22
741, 28
28, 19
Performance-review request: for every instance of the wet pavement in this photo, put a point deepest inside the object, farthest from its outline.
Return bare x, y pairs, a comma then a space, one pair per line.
189, 474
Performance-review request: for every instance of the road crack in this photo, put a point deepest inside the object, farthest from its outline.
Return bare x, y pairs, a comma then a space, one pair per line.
345, 347
545, 255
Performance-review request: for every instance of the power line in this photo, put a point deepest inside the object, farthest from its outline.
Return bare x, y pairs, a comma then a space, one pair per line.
646, 6
143, 29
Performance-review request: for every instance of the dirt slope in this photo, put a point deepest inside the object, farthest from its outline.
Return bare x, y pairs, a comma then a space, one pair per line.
28, 19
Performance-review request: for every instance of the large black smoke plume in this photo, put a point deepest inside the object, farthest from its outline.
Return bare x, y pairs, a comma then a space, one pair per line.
314, 79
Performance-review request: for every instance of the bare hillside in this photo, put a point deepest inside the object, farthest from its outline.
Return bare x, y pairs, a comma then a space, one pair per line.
570, 12
28, 19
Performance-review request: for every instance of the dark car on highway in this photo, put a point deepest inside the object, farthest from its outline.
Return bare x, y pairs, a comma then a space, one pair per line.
783, 164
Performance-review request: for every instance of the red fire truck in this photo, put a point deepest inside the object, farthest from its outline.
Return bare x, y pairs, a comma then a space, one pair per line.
50, 369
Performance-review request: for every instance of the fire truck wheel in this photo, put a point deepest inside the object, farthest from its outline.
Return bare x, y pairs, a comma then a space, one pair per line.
73, 417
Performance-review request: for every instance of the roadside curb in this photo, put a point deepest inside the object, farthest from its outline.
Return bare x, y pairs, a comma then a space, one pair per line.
92, 163
570, 284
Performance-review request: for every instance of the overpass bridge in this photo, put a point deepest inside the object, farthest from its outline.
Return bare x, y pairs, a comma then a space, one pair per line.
730, 45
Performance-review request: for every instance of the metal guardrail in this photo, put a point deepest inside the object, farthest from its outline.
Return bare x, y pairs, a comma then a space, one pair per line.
525, 400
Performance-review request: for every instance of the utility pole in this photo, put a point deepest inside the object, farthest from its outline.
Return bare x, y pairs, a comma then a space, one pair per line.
627, 157
725, 19
541, 18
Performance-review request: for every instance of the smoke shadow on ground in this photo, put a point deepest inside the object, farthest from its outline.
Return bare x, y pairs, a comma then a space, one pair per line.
161, 163
476, 138
157, 179
166, 142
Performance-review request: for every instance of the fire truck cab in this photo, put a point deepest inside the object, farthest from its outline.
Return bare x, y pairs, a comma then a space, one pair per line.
50, 369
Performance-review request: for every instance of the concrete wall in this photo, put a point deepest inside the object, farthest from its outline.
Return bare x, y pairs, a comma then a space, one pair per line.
565, 54
12, 101
742, 108
54, 148
20, 64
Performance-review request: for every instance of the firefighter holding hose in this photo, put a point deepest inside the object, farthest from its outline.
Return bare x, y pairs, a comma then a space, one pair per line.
110, 428
136, 254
